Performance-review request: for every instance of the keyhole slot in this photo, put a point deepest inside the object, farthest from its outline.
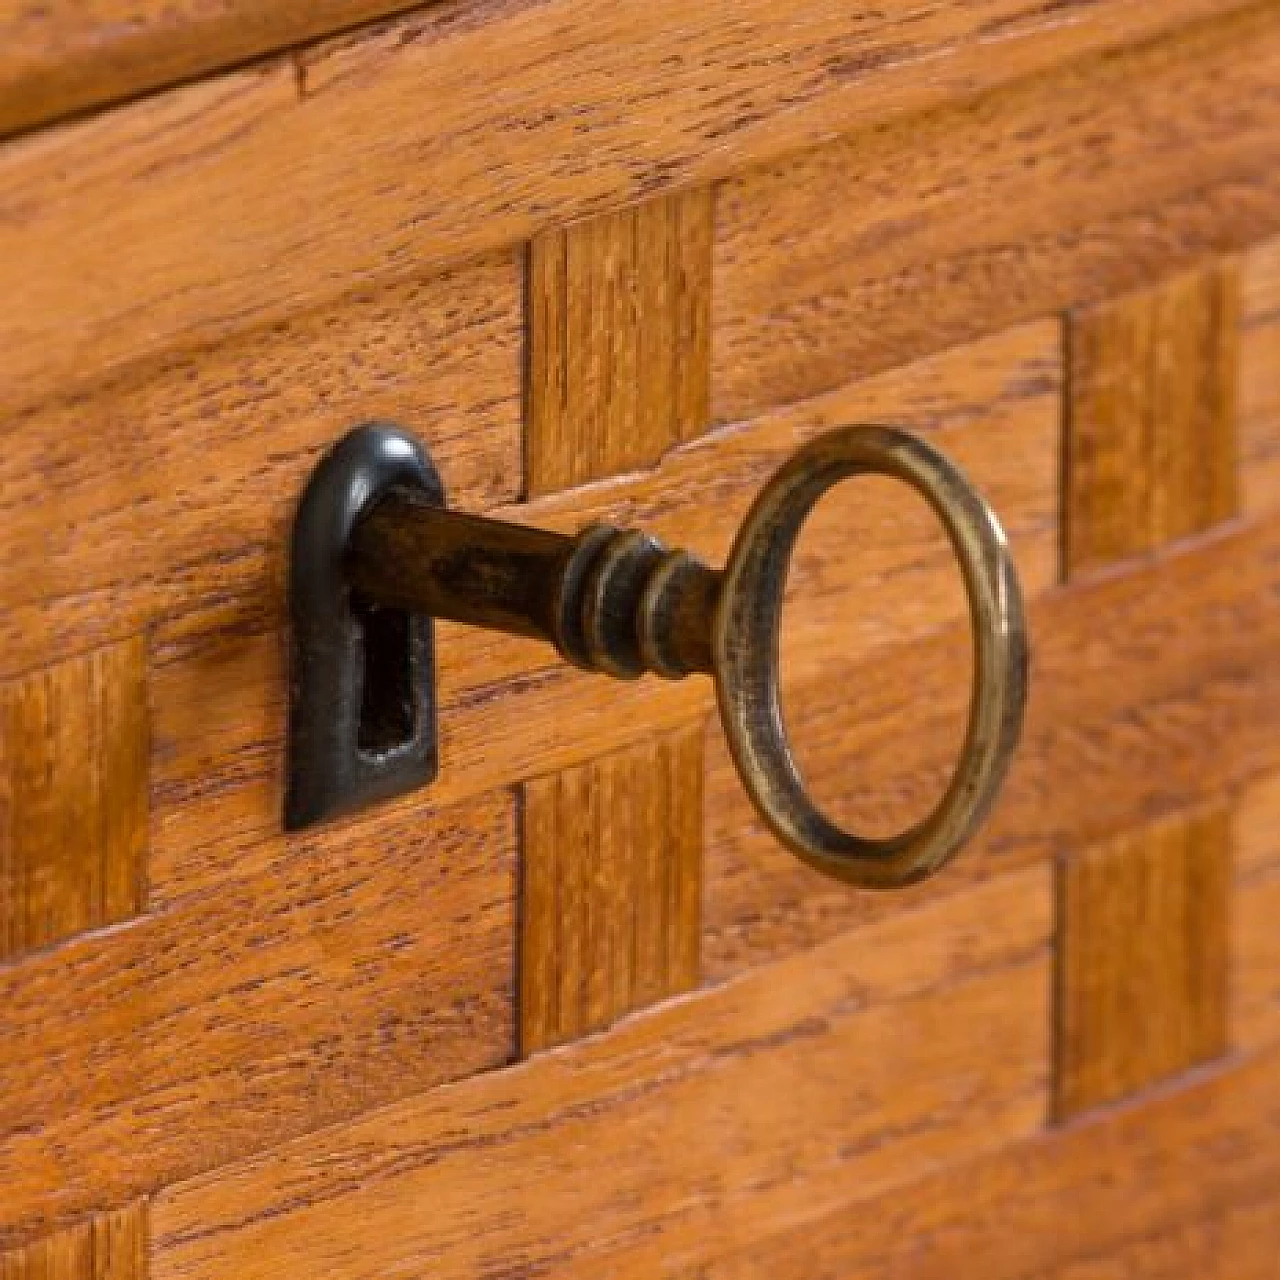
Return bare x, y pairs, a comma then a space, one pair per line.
387, 720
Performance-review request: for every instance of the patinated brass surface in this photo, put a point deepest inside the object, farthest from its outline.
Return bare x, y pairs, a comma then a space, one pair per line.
619, 602
745, 630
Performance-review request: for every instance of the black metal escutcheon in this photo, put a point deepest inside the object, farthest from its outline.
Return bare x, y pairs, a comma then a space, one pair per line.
354, 739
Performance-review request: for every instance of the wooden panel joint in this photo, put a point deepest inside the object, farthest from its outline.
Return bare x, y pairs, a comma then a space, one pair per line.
110, 1246
612, 887
73, 796
1151, 417
1142, 959
619, 313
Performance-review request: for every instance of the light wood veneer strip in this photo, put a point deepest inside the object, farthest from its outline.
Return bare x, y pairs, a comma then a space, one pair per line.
111, 1246
1062, 190
619, 365
706, 1120
611, 887
372, 962
73, 797
1152, 417
1142, 959
471, 126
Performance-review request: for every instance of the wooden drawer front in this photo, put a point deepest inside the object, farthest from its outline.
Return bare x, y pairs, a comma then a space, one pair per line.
571, 1010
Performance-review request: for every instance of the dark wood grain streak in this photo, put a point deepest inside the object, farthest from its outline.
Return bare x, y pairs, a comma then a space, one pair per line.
176, 481
265, 192
65, 56
1063, 190
646, 1149
1189, 1171
68, 55
371, 962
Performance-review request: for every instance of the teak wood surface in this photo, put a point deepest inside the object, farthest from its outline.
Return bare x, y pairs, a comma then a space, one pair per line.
571, 1011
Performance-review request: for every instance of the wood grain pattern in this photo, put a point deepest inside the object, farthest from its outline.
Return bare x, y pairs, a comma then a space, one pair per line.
111, 1246
73, 797
264, 192
219, 680
302, 1059
692, 1125
1256, 827
1255, 940
1259, 423
618, 333
1098, 1193
1142, 959
1152, 691
176, 482
611, 887
65, 55
994, 211
1234, 1242
1196, 694
372, 962
1151, 440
